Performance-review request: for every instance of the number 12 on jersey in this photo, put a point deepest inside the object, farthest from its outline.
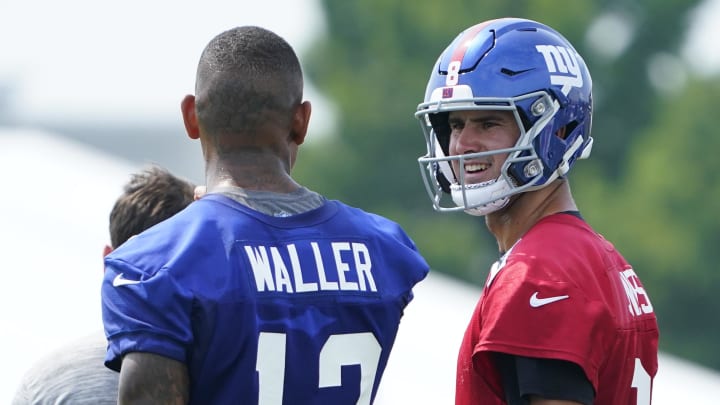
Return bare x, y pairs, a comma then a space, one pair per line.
339, 350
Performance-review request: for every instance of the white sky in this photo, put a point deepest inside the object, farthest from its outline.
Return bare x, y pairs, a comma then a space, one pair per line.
86, 60
702, 50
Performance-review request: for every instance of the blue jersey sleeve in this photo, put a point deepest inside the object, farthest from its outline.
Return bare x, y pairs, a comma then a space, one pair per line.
144, 312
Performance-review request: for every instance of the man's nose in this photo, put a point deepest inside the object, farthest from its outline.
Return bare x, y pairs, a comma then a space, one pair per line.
466, 141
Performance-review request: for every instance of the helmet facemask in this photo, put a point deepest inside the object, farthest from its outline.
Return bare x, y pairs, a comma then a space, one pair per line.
520, 171
515, 65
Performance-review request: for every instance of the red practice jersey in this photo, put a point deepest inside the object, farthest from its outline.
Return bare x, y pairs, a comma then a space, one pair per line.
563, 292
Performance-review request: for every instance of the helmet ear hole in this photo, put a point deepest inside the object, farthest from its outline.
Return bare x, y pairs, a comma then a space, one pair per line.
568, 129
562, 132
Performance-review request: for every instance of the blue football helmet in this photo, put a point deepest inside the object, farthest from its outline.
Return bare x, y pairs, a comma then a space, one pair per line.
516, 65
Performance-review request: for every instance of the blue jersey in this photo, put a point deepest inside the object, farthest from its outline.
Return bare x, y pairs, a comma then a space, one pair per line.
264, 310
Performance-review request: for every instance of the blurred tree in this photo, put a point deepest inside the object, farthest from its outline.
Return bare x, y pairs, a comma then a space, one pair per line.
620, 46
374, 64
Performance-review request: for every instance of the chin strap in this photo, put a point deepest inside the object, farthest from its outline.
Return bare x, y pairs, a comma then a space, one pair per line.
481, 198
564, 166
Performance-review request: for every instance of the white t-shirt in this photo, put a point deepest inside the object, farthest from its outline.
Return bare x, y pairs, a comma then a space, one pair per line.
74, 374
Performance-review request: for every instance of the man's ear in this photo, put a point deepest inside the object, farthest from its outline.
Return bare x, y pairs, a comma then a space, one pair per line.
106, 251
301, 119
187, 106
199, 192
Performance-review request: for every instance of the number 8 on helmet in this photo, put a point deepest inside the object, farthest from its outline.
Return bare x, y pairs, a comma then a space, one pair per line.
515, 65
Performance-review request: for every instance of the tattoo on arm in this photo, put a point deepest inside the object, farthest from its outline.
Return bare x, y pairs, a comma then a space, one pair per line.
147, 378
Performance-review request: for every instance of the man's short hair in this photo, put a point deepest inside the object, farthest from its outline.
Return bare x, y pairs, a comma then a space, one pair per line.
246, 76
151, 196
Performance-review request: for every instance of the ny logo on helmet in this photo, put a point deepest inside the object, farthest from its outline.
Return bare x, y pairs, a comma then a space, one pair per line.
562, 61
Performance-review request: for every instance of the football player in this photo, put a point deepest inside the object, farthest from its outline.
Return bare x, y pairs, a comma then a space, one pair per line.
563, 318
262, 291
75, 372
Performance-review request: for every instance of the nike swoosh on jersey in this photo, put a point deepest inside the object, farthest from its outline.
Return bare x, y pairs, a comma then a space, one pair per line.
121, 280
538, 302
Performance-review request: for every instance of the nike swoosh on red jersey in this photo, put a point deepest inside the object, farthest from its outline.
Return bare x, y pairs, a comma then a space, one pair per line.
538, 302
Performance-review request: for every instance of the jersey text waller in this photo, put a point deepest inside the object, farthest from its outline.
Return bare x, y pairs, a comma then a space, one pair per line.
311, 266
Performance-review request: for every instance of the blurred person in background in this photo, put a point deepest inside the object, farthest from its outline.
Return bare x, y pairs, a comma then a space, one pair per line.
562, 318
262, 291
75, 374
